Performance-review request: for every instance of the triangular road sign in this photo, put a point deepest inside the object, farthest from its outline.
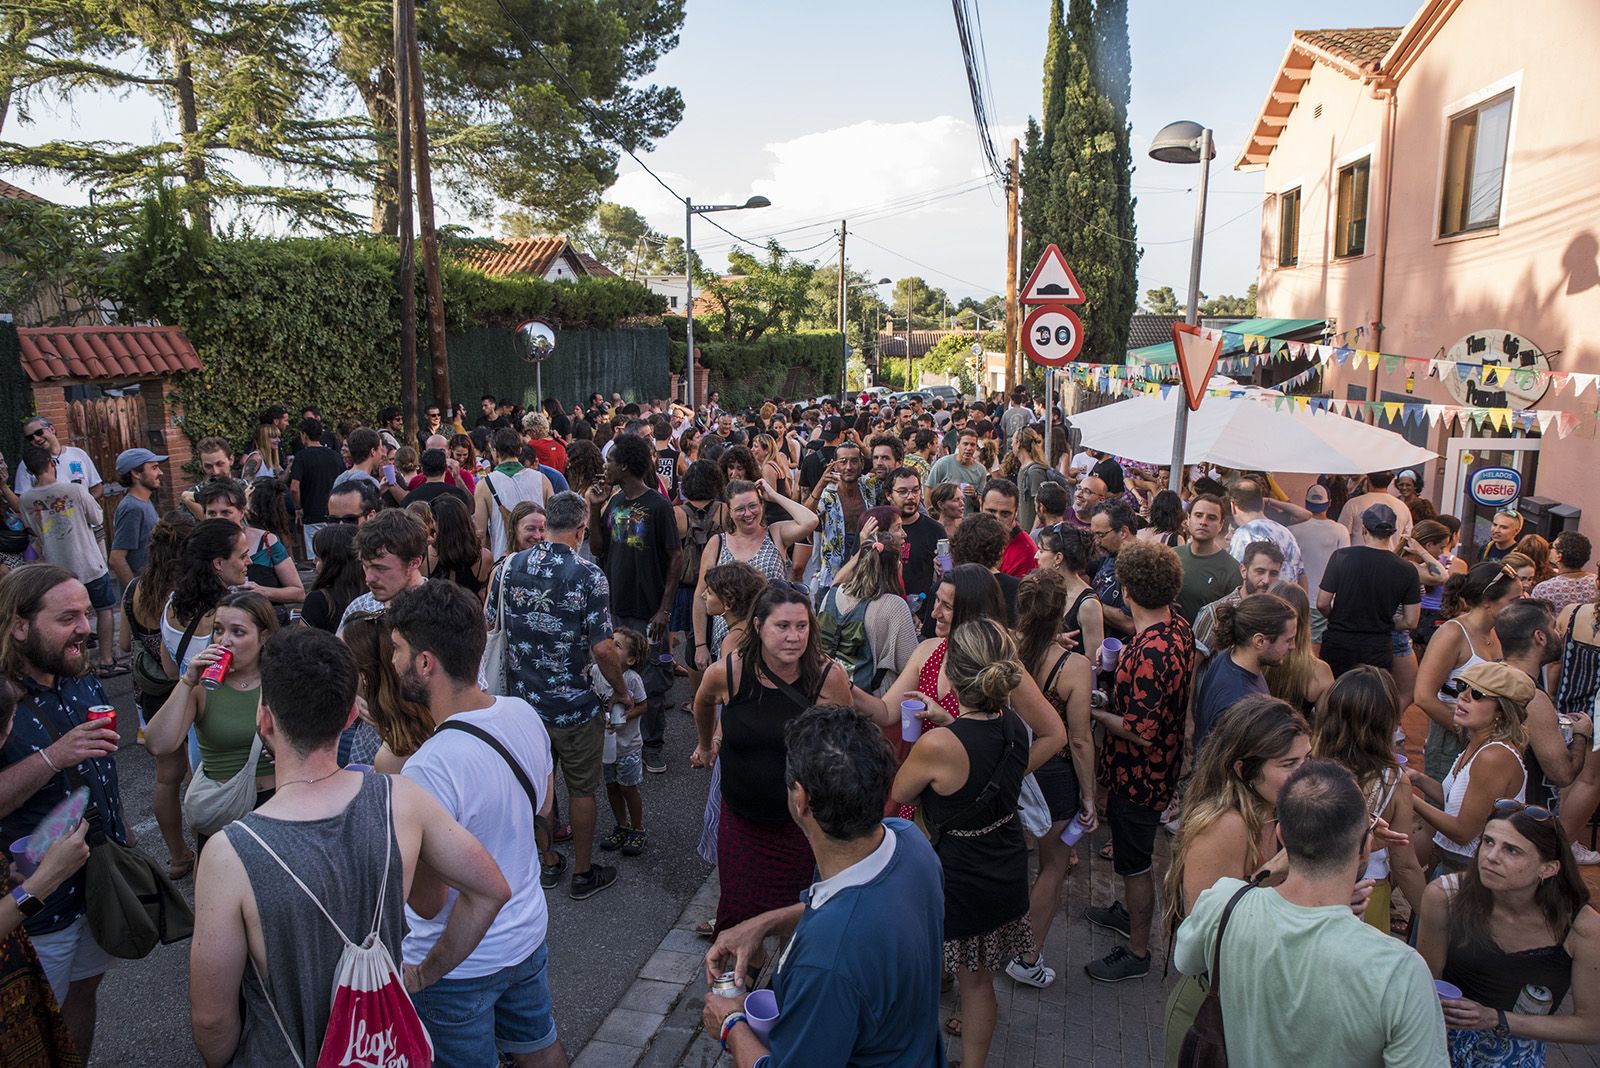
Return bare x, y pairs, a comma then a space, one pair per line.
1052, 281
1198, 348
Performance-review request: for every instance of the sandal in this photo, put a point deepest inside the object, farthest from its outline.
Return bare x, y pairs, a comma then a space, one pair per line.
1073, 860
181, 869
563, 833
1105, 851
706, 928
111, 670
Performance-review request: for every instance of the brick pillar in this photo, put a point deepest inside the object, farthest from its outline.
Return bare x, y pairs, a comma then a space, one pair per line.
50, 402
166, 437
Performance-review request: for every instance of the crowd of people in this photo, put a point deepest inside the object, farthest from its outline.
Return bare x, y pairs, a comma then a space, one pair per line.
935, 660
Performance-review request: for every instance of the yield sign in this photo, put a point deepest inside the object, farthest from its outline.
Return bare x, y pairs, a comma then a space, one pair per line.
1197, 348
1052, 281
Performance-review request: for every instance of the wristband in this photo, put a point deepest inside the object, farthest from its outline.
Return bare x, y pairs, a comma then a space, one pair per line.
49, 763
732, 1020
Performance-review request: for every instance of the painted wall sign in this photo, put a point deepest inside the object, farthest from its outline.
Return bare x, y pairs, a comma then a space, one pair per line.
1501, 355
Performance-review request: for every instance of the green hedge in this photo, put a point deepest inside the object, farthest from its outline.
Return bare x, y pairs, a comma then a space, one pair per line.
792, 365
300, 321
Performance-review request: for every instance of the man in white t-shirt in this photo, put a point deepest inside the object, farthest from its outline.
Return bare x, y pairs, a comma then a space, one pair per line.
72, 463
1319, 538
66, 521
488, 763
1378, 492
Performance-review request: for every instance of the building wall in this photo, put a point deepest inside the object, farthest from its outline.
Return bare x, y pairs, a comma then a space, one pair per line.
1536, 274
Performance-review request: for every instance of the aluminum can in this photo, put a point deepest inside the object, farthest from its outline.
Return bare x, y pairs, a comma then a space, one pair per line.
727, 985
108, 713
1534, 1001
211, 678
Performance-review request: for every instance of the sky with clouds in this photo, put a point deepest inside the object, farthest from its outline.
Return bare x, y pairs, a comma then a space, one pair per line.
836, 109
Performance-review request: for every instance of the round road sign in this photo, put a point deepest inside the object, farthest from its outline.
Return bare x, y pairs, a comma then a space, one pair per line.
1052, 335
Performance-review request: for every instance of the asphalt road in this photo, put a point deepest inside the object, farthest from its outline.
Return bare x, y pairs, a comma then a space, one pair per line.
597, 946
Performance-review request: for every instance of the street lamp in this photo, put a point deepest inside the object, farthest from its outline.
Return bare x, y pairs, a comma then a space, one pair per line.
1187, 142
844, 368
690, 210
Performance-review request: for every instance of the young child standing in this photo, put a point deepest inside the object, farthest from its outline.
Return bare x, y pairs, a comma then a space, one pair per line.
623, 762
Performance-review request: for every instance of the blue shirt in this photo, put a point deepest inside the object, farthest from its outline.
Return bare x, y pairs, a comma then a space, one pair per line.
558, 607
65, 706
1106, 586
558, 481
1223, 684
134, 522
858, 984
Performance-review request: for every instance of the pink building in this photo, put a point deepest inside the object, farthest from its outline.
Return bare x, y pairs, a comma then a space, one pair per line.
1430, 191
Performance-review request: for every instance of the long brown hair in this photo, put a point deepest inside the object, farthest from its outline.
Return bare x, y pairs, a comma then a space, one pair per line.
1559, 897
402, 724
160, 572
1355, 724
812, 661
1041, 608
1291, 680
22, 594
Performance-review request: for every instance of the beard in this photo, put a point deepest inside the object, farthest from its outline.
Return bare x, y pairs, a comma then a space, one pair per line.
70, 659
411, 687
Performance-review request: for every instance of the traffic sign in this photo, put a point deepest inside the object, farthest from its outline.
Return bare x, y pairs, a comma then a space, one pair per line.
1052, 335
1052, 281
1197, 348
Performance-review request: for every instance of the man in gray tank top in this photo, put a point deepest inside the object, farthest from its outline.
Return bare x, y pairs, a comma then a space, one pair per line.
257, 928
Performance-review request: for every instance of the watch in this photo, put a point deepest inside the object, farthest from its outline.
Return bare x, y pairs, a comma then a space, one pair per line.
1502, 1029
27, 904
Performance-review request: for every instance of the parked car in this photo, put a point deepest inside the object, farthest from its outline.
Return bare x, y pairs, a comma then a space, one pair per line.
948, 394
911, 394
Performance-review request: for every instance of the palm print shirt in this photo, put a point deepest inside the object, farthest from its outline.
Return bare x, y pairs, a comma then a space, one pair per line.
1150, 690
558, 606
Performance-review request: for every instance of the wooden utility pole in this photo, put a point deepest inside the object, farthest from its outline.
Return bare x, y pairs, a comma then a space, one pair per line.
844, 342
1013, 312
430, 238
408, 272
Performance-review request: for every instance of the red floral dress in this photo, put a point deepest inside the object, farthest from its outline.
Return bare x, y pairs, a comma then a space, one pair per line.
928, 683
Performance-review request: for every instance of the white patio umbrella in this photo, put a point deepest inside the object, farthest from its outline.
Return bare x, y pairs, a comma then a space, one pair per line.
1246, 431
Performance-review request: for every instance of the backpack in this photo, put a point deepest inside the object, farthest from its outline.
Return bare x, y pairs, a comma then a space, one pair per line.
703, 522
1052, 475
844, 639
372, 1019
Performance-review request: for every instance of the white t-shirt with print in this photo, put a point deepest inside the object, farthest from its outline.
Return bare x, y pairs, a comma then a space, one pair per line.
73, 465
471, 780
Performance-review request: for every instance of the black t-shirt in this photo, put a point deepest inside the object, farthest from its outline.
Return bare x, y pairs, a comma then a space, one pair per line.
812, 464
1009, 584
640, 537
315, 468
1110, 472
318, 612
916, 567
667, 468
429, 492
1368, 586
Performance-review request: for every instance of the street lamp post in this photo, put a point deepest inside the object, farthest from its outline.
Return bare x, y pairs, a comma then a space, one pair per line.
690, 210
1187, 142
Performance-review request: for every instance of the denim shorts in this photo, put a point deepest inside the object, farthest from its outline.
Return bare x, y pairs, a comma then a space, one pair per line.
626, 770
102, 594
472, 1021
70, 954
1401, 642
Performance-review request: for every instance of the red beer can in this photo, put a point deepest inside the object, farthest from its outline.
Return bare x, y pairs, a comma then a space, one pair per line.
103, 712
212, 676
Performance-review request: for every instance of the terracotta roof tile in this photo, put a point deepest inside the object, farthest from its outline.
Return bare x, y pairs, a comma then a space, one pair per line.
13, 192
1361, 47
98, 353
518, 255
594, 267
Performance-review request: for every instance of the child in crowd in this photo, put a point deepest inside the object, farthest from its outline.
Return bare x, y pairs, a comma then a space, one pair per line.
623, 762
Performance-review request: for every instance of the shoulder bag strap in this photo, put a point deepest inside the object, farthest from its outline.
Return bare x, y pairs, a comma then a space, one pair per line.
505, 754
183, 642
1216, 956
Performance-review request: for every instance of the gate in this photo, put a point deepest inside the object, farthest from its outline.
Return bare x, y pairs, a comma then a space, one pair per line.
104, 426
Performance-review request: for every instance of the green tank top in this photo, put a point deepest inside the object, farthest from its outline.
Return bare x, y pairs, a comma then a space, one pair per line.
227, 731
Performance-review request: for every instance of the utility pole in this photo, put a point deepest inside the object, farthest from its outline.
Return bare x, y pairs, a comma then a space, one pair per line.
844, 342
1013, 312
440, 356
408, 271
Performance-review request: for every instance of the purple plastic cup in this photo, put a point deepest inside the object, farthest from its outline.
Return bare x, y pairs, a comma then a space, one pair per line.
19, 857
910, 725
1400, 758
761, 1012
1446, 991
1110, 649
1073, 832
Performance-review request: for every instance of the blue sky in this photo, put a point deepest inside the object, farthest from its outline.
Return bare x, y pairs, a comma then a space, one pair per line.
831, 108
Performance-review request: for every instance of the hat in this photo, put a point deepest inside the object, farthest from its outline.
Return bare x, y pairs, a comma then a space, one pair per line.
1407, 473
1317, 499
1379, 520
1501, 680
133, 459
832, 426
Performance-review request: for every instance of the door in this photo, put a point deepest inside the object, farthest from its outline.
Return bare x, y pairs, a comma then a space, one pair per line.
1463, 457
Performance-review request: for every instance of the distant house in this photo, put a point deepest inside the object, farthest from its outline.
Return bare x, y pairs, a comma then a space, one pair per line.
674, 287
552, 258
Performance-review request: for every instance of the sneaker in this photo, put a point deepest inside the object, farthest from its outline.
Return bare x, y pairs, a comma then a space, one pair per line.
1035, 974
550, 874
634, 842
654, 762
591, 882
1114, 919
1584, 856
1117, 965
613, 841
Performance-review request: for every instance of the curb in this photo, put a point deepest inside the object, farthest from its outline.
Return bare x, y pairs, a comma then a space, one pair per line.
656, 1022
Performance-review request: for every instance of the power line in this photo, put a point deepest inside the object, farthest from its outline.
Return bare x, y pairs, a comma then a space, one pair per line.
888, 211
976, 80
928, 267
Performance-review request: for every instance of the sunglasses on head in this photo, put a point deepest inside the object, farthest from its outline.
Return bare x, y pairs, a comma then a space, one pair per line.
1510, 806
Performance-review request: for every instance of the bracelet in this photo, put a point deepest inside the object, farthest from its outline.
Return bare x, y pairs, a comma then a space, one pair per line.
732, 1020
49, 763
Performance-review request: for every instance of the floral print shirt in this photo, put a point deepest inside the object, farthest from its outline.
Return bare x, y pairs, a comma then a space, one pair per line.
1150, 690
558, 606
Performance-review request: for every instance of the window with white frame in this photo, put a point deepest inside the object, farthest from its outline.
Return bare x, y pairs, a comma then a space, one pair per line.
1475, 167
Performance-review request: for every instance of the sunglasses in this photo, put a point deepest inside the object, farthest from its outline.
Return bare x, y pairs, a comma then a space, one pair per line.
348, 518
1510, 806
37, 433
791, 587
1457, 688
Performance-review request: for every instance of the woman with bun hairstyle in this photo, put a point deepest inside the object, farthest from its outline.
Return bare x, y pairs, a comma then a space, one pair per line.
1470, 604
966, 778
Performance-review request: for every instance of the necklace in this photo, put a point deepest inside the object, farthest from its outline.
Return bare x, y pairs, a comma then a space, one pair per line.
308, 782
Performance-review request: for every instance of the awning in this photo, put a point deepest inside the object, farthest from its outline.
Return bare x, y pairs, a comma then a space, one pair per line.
1288, 329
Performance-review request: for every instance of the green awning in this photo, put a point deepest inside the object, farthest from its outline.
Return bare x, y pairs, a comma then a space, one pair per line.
1234, 345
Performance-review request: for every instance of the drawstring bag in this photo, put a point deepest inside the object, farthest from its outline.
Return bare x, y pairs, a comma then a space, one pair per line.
372, 1020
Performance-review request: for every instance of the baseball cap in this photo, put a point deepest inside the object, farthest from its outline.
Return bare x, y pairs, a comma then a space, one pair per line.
832, 426
132, 459
1379, 520
1317, 499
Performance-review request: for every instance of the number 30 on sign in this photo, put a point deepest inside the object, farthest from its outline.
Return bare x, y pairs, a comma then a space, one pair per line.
1052, 335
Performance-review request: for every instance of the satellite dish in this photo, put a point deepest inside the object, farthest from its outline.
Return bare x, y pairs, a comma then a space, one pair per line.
534, 340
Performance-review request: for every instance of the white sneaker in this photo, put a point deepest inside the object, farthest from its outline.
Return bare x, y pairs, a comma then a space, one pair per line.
1583, 855
1035, 974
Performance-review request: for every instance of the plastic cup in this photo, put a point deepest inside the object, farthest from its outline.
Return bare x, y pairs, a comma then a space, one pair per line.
1400, 758
910, 725
1073, 832
761, 1012
365, 768
1446, 991
19, 857
1110, 649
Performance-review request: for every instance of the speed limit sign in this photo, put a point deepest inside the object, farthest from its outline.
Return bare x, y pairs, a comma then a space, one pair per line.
1052, 335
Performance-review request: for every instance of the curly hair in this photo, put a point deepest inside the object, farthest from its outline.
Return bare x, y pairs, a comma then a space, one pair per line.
199, 588
737, 585
584, 465
160, 572
1041, 608
744, 458
980, 539
1149, 573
